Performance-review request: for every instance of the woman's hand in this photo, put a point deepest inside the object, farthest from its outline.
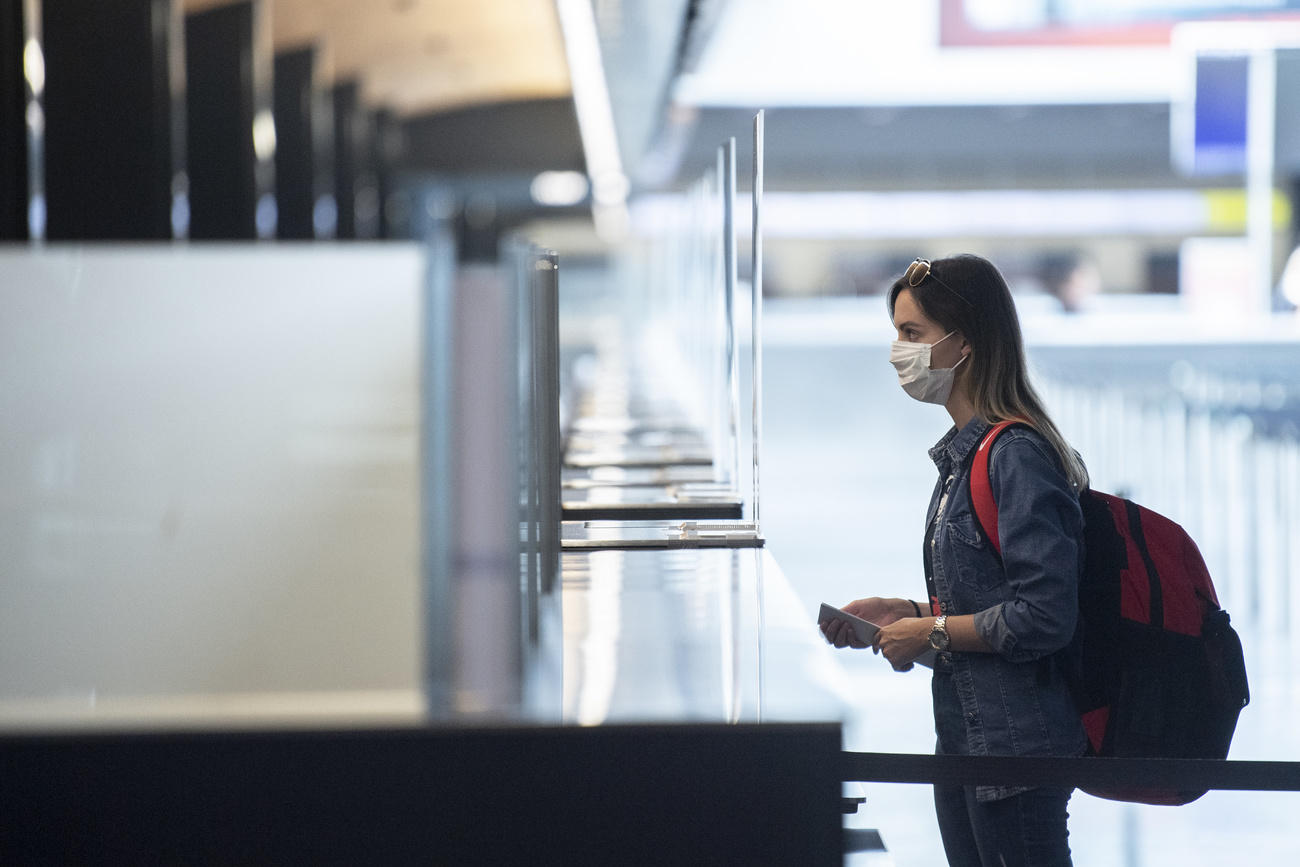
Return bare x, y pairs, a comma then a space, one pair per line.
879, 611
903, 641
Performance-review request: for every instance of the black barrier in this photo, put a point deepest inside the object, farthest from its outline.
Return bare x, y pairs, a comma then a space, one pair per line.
572, 795
1090, 772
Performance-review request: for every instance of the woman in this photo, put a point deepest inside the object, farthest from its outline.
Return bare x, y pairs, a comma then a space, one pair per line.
1002, 627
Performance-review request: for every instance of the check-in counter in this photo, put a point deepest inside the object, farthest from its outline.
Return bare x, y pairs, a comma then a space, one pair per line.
218, 625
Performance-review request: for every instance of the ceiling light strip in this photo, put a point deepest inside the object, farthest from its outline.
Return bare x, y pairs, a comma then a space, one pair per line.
993, 213
609, 184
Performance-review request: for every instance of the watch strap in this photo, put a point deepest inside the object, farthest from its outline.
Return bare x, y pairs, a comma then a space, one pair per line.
939, 638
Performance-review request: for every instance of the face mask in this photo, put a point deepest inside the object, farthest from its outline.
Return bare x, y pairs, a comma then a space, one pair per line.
912, 361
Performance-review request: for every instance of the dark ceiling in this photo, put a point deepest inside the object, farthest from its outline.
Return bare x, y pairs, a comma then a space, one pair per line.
505, 138
831, 148
852, 148
938, 147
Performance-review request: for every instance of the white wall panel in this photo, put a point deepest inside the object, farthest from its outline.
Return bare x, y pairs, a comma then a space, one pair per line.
209, 475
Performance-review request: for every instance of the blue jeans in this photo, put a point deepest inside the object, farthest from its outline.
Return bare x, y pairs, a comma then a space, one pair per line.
1024, 830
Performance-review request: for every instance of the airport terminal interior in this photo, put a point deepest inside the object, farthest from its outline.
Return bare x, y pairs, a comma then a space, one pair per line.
429, 429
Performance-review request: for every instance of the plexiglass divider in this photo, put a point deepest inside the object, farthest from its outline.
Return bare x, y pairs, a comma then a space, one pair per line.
437, 491
662, 408
496, 513
729, 457
485, 486
756, 316
519, 264
546, 367
661, 391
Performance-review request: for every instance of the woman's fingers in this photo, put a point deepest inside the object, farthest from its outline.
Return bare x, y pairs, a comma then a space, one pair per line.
894, 642
840, 634
834, 632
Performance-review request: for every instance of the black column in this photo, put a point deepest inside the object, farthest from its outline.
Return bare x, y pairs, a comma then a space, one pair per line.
109, 118
349, 147
387, 153
326, 216
227, 67
295, 163
369, 204
13, 125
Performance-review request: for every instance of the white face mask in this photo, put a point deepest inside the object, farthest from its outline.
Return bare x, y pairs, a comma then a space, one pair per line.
919, 380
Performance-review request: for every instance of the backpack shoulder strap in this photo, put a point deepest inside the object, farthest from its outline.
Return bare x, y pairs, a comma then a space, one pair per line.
981, 489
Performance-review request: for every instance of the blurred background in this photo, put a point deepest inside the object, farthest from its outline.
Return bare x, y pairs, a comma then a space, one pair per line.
232, 231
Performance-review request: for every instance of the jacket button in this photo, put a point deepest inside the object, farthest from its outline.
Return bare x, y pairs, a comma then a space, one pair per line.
943, 608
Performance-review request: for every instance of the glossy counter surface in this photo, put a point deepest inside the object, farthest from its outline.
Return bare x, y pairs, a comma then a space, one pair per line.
685, 635
692, 634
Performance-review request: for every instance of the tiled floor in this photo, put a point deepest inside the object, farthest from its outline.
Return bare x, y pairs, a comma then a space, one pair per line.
845, 483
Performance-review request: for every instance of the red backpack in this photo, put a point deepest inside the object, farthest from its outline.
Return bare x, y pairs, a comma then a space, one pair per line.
1162, 673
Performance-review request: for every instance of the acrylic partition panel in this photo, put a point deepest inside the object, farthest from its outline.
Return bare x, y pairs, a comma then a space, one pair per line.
729, 411
543, 410
756, 317
672, 367
210, 476
492, 479
536, 273
486, 591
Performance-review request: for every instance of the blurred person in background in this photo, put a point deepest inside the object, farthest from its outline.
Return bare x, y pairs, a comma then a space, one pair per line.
1002, 628
1071, 280
1288, 294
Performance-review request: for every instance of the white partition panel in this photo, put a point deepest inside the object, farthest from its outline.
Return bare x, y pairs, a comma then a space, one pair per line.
209, 471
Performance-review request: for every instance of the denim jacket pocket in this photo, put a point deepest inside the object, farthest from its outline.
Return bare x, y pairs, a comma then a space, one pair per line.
975, 564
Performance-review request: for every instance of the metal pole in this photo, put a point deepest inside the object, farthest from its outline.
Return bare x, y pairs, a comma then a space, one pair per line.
525, 295
34, 44
437, 484
1261, 122
548, 414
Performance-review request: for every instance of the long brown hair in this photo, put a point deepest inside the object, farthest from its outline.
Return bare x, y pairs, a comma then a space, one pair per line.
967, 293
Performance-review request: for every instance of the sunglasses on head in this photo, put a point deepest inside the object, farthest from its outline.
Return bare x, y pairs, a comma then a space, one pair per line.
920, 269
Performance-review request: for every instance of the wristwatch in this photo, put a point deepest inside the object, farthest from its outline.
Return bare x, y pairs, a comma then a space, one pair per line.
939, 638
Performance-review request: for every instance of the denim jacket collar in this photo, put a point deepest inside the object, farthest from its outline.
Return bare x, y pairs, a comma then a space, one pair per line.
956, 445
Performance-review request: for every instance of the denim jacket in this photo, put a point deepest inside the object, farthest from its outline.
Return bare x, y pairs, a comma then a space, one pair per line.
1014, 702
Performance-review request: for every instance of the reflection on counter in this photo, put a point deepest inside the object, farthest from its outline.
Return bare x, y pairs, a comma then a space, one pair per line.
697, 634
